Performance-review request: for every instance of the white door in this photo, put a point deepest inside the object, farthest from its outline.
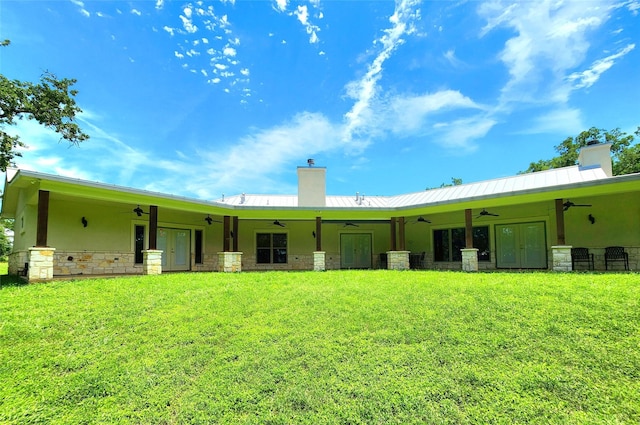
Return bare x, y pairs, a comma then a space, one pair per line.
355, 251
521, 246
175, 244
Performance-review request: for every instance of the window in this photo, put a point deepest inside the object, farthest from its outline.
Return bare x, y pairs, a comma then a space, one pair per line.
139, 243
198, 253
447, 243
271, 248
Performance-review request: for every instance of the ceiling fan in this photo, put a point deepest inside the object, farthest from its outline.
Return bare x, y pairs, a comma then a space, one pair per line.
422, 220
277, 223
139, 211
485, 212
348, 223
570, 204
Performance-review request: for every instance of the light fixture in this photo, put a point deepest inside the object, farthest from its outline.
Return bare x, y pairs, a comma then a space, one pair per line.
84, 222
313, 232
592, 219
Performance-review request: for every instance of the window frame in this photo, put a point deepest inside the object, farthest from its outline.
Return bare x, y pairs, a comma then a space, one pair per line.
277, 251
455, 239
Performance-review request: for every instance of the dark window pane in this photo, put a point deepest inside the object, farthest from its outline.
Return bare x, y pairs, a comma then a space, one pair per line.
441, 245
198, 253
263, 256
279, 240
457, 243
279, 256
139, 244
481, 241
263, 240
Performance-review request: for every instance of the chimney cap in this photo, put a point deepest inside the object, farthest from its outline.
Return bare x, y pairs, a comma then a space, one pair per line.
593, 142
310, 162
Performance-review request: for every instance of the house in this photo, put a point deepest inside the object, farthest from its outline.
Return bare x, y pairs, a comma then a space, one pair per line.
69, 227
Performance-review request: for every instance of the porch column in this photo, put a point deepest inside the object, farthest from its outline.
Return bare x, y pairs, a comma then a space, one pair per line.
152, 260
560, 222
226, 228
153, 227
468, 227
392, 237
318, 233
561, 258
40, 264
235, 234
401, 234
469, 259
469, 253
43, 218
319, 256
398, 260
229, 262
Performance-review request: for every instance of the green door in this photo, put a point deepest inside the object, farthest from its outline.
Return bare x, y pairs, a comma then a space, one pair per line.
355, 250
521, 246
175, 244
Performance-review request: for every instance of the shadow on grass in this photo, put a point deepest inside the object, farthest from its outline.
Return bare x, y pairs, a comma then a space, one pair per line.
11, 280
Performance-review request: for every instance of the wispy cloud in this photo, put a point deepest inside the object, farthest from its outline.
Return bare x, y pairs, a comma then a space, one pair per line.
590, 76
80, 5
363, 90
304, 16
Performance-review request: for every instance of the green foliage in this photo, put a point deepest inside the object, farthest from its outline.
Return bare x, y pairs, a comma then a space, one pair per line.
626, 155
357, 347
454, 182
51, 103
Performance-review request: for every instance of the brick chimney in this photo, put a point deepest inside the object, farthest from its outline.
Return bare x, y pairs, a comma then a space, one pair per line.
312, 187
596, 154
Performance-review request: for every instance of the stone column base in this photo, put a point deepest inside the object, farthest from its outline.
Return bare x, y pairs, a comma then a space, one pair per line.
319, 264
561, 255
398, 260
229, 262
469, 259
152, 262
40, 264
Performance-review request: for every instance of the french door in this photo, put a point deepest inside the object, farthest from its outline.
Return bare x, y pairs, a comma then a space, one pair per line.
521, 246
355, 250
175, 245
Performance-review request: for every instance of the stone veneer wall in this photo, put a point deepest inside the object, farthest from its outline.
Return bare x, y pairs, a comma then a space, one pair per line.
469, 259
40, 264
230, 262
17, 260
69, 263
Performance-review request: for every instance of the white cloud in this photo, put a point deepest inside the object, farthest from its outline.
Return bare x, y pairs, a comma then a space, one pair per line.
136, 12
159, 4
244, 72
169, 30
588, 77
178, 55
80, 4
551, 39
364, 90
281, 5
229, 51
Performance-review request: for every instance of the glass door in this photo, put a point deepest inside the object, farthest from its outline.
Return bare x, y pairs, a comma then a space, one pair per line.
355, 250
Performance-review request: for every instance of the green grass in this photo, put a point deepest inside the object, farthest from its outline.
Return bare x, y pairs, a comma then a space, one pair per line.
349, 347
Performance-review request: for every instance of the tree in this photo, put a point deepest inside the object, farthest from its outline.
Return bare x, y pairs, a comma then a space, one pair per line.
5, 242
51, 102
626, 154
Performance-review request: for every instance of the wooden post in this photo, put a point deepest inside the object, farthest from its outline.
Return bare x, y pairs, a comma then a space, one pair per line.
43, 218
235, 233
153, 227
468, 233
318, 233
393, 234
226, 228
560, 222
401, 233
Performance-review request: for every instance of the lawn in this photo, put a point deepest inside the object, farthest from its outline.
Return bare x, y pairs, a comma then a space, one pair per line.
339, 347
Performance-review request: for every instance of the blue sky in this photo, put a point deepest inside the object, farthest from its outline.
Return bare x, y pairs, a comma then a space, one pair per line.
204, 98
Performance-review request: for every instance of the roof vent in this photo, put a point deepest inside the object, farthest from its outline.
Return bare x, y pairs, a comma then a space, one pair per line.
310, 162
593, 142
